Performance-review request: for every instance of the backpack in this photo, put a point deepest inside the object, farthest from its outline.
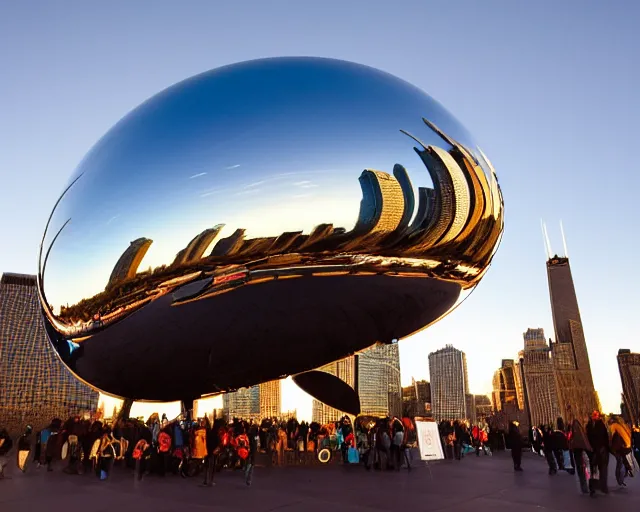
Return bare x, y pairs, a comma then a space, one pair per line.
164, 442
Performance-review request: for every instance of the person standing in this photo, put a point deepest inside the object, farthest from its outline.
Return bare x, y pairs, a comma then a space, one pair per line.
515, 441
599, 439
253, 450
5, 448
636, 443
581, 449
548, 446
24, 448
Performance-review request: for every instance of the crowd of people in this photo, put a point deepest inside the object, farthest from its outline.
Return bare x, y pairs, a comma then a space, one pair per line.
575, 448
191, 448
586, 449
203, 447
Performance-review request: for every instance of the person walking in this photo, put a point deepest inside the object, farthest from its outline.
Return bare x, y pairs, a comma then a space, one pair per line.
620, 448
581, 449
515, 441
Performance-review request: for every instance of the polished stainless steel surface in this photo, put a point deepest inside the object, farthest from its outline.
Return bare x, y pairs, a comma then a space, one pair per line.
260, 220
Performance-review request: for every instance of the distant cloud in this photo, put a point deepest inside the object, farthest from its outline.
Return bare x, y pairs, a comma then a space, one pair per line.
255, 184
197, 175
305, 184
212, 191
248, 191
233, 166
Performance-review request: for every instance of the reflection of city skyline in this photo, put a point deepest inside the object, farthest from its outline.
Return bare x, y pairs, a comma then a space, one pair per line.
456, 218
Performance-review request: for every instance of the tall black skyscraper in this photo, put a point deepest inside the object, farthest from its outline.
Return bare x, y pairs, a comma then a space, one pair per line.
576, 393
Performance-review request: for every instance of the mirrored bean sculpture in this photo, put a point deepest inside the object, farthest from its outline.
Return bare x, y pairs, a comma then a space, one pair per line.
261, 220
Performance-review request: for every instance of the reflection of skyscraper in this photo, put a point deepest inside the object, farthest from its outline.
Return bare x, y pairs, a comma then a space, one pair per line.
452, 201
379, 381
629, 365
196, 248
127, 265
570, 357
243, 404
344, 369
449, 383
320, 233
382, 206
504, 386
400, 174
539, 378
230, 245
284, 242
427, 203
34, 385
270, 399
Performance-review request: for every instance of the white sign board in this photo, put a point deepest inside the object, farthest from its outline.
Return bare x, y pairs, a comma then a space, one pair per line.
429, 440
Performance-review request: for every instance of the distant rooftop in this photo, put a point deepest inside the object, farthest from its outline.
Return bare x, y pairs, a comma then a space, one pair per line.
18, 279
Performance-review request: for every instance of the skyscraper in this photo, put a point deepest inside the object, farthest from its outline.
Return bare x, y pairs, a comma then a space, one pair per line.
504, 386
34, 385
449, 383
243, 403
577, 396
483, 406
343, 369
270, 399
539, 378
379, 381
629, 365
416, 399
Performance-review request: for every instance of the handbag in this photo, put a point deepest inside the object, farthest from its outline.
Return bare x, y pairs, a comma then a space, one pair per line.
353, 456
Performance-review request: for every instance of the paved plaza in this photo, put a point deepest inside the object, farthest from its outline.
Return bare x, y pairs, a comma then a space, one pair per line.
474, 485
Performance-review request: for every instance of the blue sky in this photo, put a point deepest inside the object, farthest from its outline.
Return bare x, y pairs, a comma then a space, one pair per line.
548, 89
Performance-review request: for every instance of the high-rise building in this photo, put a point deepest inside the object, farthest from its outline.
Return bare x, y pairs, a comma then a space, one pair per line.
127, 266
34, 385
518, 378
470, 406
539, 378
629, 365
243, 403
577, 395
504, 386
344, 369
449, 383
483, 406
270, 399
379, 381
416, 399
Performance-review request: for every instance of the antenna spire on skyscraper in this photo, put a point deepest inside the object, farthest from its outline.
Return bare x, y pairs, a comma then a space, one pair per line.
564, 241
545, 237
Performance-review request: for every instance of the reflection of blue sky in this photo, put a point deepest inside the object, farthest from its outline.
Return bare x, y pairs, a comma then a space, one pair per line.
269, 146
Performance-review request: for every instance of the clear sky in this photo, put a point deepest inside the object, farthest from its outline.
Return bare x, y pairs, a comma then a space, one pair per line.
547, 88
